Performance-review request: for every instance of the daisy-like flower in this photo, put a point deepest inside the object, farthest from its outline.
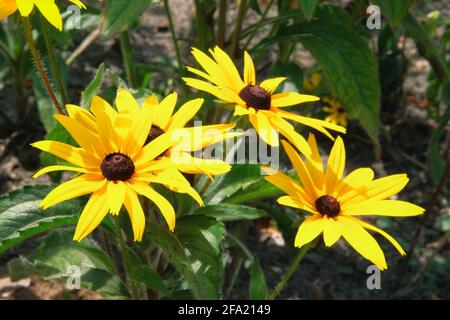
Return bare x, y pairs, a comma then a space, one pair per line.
190, 139
48, 9
335, 201
337, 114
256, 100
113, 163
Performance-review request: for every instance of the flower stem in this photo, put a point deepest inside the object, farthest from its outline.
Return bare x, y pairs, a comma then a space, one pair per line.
37, 59
126, 260
172, 32
290, 272
128, 58
222, 23
53, 61
258, 24
237, 31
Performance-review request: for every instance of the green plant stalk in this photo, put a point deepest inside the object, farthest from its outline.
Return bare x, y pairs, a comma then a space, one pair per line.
53, 61
290, 272
238, 28
126, 260
258, 24
37, 60
128, 58
200, 26
174, 36
222, 23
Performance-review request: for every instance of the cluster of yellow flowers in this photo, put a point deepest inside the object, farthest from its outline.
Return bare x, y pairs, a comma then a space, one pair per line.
124, 150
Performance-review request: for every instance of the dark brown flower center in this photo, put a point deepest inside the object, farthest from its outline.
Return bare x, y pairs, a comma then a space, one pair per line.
328, 205
154, 133
117, 166
255, 97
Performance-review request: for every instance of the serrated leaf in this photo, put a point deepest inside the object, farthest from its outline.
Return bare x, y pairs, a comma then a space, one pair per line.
20, 217
121, 14
348, 63
230, 212
93, 88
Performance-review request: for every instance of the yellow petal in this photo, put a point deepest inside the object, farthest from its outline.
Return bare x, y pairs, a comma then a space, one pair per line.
155, 165
85, 138
58, 168
153, 150
357, 178
125, 102
293, 136
79, 186
109, 139
384, 234
309, 230
165, 110
302, 171
186, 112
362, 242
76, 156
240, 110
227, 66
7, 8
137, 216
386, 187
25, 7
138, 133
164, 206
314, 163
331, 231
82, 116
93, 214
292, 202
50, 11
270, 85
249, 69
116, 195
335, 167
188, 164
395, 208
265, 130
207, 87
286, 99
78, 3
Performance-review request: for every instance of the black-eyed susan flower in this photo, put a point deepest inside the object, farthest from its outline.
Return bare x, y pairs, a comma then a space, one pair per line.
337, 114
311, 82
335, 201
47, 8
113, 163
257, 100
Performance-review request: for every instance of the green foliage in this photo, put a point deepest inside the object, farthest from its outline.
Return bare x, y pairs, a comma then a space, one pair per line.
308, 7
258, 287
20, 217
93, 88
230, 212
394, 11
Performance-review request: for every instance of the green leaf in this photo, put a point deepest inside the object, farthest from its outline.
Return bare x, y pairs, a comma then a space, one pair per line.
258, 287
259, 189
240, 177
60, 258
230, 212
394, 11
308, 8
121, 14
195, 250
149, 277
93, 88
436, 163
348, 63
20, 217
254, 5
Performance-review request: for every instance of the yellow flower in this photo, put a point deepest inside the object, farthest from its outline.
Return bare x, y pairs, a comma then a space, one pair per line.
113, 163
255, 100
335, 201
47, 8
337, 114
165, 121
311, 82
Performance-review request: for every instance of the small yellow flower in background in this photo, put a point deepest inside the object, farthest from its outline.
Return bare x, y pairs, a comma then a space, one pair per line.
255, 100
191, 139
311, 82
337, 113
114, 163
48, 9
335, 201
